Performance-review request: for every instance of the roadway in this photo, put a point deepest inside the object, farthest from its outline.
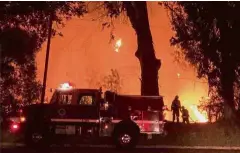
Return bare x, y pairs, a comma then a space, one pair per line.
107, 149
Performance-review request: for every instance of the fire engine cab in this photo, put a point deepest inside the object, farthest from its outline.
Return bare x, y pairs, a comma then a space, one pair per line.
87, 113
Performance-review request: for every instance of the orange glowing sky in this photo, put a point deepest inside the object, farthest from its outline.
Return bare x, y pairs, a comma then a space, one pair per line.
85, 52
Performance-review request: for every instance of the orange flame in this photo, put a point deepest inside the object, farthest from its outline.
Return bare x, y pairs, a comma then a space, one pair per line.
201, 118
118, 45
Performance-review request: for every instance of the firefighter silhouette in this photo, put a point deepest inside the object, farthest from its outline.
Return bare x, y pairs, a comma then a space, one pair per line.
176, 105
185, 115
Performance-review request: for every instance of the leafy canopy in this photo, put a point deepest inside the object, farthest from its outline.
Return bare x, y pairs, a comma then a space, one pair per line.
207, 35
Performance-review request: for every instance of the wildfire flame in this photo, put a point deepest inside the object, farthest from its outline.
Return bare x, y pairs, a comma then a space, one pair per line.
200, 117
118, 45
190, 101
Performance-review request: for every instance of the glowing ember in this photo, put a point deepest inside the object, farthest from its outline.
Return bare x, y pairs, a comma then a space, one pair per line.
178, 75
118, 45
201, 118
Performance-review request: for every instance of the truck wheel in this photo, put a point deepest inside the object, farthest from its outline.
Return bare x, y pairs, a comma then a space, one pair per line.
125, 139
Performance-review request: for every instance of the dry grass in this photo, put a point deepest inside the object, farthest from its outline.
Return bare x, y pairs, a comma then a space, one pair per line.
214, 135
199, 135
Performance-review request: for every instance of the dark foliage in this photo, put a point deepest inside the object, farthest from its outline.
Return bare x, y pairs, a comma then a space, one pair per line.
18, 70
213, 106
207, 34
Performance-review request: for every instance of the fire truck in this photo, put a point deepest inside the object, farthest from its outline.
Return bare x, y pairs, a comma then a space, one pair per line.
88, 113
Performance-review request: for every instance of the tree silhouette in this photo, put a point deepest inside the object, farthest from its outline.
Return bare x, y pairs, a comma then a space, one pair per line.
18, 69
213, 106
207, 34
112, 82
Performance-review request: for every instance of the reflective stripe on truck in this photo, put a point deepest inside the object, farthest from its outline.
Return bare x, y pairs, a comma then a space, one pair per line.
75, 120
97, 121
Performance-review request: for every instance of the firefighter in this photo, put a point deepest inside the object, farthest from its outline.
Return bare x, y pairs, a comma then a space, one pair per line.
176, 105
185, 115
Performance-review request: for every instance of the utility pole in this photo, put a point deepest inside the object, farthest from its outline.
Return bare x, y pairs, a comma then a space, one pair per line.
47, 56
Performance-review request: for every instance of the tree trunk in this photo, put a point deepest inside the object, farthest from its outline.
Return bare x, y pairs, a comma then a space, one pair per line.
227, 88
138, 15
227, 70
227, 93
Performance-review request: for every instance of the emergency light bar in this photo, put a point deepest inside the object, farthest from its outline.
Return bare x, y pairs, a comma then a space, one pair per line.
65, 86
